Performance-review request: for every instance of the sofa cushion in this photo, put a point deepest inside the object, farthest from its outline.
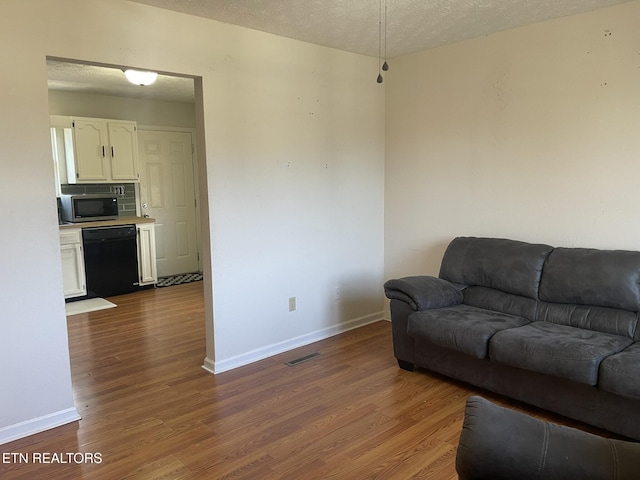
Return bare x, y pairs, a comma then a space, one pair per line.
558, 350
601, 319
620, 373
507, 265
491, 299
462, 328
605, 278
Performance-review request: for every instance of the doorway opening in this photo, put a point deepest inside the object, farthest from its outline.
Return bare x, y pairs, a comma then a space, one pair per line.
86, 89
165, 113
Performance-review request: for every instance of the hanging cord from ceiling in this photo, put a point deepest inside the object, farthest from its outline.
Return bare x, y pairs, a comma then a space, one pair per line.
385, 65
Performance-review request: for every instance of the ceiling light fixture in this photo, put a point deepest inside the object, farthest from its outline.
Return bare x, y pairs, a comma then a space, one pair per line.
385, 65
140, 77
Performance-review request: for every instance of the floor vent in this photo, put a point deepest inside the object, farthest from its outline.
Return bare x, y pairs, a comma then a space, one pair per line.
298, 361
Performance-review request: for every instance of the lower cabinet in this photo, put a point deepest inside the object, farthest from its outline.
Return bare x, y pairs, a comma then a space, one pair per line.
147, 271
73, 276
73, 268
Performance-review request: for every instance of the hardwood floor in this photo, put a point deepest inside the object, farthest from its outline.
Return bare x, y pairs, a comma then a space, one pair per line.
150, 411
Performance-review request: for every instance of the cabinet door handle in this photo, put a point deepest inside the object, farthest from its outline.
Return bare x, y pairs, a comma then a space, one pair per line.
102, 151
112, 152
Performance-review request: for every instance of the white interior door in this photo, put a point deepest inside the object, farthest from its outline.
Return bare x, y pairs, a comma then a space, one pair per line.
167, 194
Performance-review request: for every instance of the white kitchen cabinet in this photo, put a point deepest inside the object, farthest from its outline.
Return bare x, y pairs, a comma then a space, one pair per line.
123, 141
147, 270
105, 151
73, 274
89, 162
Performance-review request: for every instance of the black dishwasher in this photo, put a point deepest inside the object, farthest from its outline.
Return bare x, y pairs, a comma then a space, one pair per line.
110, 260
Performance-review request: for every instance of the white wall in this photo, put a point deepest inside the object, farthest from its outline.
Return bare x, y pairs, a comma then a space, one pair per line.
293, 136
144, 111
531, 134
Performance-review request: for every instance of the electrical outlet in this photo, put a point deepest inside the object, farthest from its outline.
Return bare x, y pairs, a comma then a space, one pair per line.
337, 293
292, 304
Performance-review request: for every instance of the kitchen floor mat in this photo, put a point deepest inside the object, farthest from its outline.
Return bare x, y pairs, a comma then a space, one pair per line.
89, 305
178, 279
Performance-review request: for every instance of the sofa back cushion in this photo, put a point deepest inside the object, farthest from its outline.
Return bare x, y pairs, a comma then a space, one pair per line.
584, 276
507, 265
498, 301
599, 319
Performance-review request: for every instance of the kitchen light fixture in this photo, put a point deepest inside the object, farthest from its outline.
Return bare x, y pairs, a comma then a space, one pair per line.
140, 77
385, 65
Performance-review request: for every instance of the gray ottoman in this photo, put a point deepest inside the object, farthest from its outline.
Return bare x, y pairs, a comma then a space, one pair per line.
497, 443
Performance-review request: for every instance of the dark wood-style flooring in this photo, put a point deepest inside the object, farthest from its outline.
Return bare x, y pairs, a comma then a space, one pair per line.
151, 412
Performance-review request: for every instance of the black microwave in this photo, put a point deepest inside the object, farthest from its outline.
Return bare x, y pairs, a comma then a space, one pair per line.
87, 208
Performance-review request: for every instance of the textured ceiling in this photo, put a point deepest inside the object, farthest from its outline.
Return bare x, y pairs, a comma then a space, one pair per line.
80, 78
350, 25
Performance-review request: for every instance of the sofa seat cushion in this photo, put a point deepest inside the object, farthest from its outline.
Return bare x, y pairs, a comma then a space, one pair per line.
559, 350
620, 373
462, 328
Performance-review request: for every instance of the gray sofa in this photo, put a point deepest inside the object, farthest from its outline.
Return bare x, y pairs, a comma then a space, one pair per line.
500, 444
554, 327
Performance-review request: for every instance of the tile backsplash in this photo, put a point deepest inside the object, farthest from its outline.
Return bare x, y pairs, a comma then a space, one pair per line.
126, 202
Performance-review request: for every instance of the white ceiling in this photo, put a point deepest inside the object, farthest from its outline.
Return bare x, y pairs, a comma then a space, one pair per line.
80, 78
350, 25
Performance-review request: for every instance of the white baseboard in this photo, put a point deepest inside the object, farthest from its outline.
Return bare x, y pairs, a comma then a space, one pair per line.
212, 366
37, 425
209, 365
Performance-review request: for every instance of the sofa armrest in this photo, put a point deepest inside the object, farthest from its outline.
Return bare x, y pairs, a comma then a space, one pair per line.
498, 443
423, 292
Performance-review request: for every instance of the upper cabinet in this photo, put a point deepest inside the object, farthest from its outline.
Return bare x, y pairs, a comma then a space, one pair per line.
123, 142
102, 151
89, 162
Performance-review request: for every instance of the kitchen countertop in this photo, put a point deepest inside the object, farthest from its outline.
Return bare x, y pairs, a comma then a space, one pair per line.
108, 223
